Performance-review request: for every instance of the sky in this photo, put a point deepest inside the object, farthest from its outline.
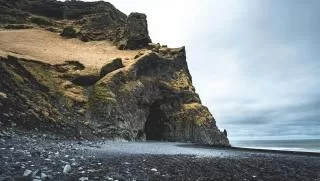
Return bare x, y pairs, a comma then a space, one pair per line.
254, 63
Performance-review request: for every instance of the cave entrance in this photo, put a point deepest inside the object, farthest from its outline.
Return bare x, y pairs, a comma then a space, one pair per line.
155, 124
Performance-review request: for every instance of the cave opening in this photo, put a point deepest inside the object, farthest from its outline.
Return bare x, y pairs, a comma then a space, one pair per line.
155, 124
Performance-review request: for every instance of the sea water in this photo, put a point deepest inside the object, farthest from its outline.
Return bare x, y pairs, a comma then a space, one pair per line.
306, 145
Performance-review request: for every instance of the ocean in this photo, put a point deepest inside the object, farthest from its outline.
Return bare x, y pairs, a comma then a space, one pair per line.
306, 145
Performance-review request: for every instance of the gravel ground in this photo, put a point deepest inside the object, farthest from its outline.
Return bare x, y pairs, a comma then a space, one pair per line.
49, 157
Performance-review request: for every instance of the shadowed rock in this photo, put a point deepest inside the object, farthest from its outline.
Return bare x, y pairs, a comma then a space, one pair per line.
114, 65
154, 99
86, 80
69, 32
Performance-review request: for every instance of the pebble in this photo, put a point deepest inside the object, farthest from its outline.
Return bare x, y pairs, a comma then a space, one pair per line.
43, 175
154, 170
83, 178
66, 169
35, 173
27, 172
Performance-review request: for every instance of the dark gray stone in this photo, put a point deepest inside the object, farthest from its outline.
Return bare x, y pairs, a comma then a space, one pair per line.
114, 65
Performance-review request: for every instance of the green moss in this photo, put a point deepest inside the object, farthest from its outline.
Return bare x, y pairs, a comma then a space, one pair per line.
41, 21
43, 75
101, 94
200, 120
16, 77
128, 88
197, 112
68, 103
182, 81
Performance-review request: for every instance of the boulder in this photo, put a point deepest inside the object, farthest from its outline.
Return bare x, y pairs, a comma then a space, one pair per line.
69, 32
114, 65
154, 45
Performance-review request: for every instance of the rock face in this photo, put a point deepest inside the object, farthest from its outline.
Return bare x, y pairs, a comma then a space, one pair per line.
136, 32
153, 99
94, 20
150, 97
34, 99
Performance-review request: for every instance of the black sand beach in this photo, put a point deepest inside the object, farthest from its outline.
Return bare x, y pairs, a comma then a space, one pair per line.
46, 156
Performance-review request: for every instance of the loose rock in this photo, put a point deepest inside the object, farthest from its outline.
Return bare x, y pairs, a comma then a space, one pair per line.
66, 169
27, 173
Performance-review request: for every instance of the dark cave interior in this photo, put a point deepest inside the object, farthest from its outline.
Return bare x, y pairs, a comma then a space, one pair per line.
155, 124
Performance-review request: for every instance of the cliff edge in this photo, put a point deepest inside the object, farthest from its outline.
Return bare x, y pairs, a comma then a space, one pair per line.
85, 69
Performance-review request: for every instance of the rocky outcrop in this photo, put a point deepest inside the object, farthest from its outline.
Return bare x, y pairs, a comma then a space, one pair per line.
153, 99
35, 100
136, 32
94, 20
148, 97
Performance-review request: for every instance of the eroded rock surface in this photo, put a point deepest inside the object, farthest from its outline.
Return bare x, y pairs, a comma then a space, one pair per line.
136, 32
153, 99
148, 96
94, 20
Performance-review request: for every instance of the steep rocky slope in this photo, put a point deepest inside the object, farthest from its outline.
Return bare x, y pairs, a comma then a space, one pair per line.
86, 86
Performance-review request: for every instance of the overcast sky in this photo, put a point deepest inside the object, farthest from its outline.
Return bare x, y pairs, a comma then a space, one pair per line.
254, 63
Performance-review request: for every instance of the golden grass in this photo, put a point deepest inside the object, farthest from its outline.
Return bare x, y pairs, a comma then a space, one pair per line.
51, 48
200, 113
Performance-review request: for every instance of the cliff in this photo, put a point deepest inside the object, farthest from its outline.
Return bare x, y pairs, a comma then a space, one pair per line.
90, 20
85, 69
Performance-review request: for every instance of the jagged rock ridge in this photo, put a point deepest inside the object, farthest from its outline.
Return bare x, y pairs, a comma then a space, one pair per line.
146, 97
93, 20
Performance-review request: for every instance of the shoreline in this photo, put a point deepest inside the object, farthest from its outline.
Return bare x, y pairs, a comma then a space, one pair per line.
92, 160
237, 148
307, 153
